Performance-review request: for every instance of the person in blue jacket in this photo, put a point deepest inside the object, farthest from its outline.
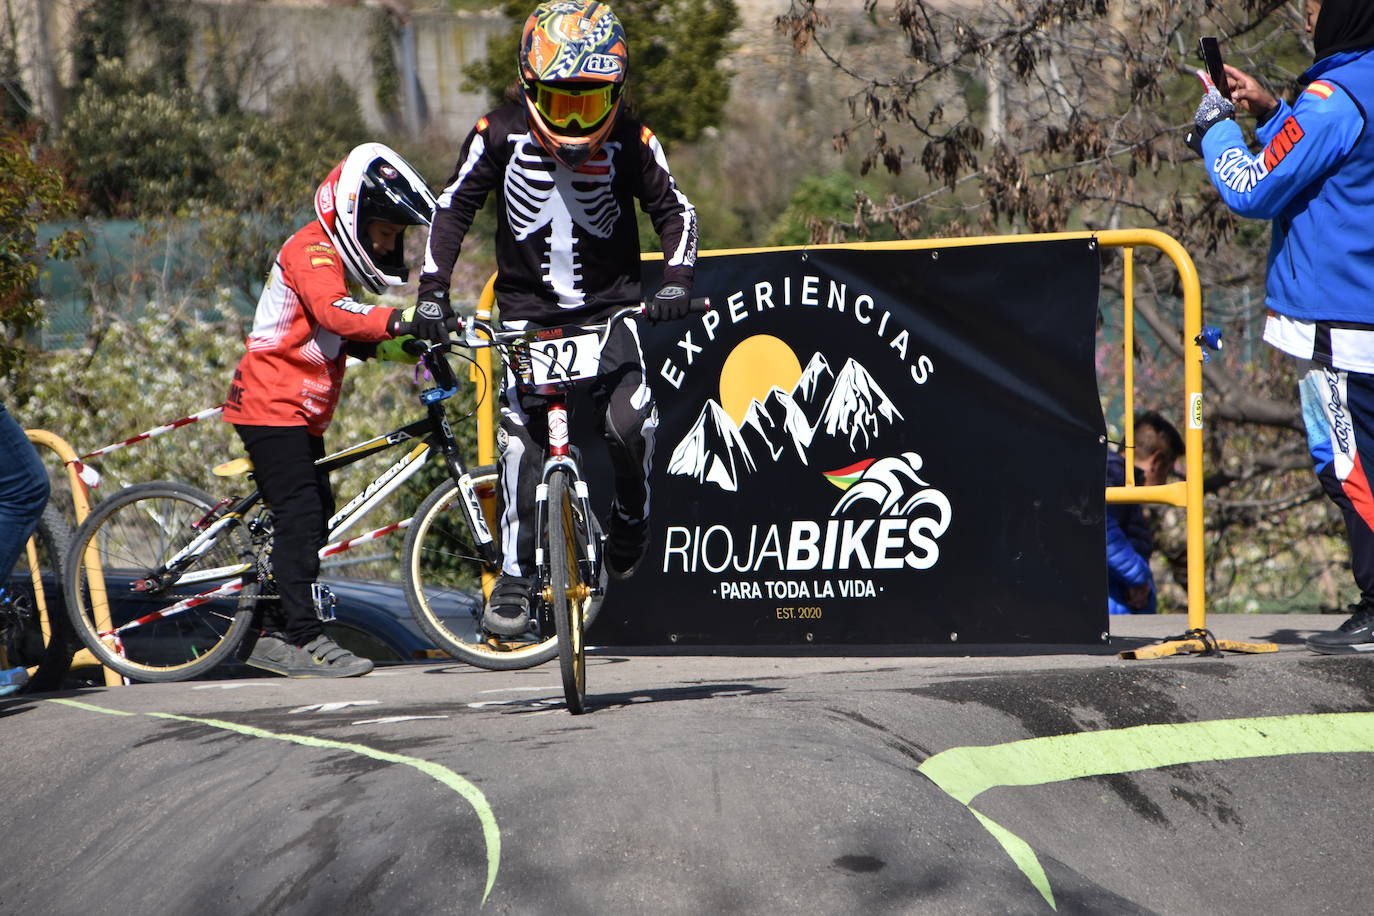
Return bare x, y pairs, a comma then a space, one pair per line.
24, 491
1314, 179
1130, 539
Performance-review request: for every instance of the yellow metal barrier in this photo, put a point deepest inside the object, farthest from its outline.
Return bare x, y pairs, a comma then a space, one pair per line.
485, 405
81, 504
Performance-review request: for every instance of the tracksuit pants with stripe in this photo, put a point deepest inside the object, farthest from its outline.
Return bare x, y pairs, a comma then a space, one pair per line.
1338, 411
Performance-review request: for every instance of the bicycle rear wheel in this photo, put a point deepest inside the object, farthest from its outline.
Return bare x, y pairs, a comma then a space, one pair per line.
443, 583
137, 618
34, 630
567, 589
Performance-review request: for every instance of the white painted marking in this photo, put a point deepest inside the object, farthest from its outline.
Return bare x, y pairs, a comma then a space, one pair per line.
385, 720
234, 686
533, 704
335, 707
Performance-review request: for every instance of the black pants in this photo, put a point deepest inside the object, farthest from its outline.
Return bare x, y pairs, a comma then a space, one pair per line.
301, 501
628, 418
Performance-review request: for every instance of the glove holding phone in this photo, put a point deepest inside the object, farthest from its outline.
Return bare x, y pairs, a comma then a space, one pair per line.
1216, 104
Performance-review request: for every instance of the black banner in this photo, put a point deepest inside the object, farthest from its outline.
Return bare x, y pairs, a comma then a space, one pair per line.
875, 446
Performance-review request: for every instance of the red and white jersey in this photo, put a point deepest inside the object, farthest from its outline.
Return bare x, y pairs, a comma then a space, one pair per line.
294, 366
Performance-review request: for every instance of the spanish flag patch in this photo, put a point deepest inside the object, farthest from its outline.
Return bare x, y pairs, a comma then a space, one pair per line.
321, 261
481, 124
1320, 89
646, 136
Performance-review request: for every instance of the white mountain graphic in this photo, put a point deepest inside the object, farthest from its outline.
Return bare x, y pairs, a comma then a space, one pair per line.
809, 390
856, 407
779, 422
713, 450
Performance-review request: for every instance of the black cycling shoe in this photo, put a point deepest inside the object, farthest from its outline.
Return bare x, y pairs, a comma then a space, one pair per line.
625, 545
1356, 635
508, 610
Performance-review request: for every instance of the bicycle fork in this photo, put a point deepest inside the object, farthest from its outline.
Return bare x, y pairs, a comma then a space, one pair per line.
560, 456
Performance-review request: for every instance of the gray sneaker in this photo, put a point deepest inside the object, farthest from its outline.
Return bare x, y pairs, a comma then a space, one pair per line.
508, 610
321, 657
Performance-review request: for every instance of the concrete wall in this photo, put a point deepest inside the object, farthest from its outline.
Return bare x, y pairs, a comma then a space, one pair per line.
274, 45
297, 45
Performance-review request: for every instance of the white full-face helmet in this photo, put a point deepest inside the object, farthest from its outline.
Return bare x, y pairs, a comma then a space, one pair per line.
372, 183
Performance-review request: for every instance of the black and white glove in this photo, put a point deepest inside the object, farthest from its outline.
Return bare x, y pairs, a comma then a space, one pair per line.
1213, 109
429, 319
671, 303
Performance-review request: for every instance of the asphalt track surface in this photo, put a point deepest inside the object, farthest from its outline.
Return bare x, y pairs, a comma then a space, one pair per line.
982, 780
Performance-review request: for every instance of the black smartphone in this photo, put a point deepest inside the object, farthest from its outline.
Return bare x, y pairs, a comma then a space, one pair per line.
1210, 52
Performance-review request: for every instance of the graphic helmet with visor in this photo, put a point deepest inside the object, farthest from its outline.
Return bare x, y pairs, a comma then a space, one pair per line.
573, 63
372, 184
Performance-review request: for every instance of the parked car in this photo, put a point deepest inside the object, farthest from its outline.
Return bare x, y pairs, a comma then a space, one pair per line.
372, 619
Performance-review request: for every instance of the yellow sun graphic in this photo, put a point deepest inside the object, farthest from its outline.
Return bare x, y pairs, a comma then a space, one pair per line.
752, 369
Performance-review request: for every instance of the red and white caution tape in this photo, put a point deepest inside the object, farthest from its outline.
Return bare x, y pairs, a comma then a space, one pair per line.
227, 588
341, 546
92, 477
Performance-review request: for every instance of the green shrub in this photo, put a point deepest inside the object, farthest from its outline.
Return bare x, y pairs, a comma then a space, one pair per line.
31, 192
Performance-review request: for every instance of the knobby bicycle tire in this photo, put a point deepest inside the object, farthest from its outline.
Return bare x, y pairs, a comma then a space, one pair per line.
22, 630
443, 584
569, 594
132, 533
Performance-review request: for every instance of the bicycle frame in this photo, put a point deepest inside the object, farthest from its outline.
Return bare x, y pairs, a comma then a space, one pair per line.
559, 447
432, 430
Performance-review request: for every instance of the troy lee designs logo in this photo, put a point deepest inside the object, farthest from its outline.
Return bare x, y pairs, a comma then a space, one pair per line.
324, 198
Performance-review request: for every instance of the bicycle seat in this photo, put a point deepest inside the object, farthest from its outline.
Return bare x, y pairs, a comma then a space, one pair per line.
235, 468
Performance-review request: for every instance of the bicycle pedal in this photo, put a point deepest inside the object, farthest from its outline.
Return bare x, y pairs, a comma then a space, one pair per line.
325, 601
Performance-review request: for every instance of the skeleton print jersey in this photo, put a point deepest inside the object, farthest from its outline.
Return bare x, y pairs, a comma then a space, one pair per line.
567, 243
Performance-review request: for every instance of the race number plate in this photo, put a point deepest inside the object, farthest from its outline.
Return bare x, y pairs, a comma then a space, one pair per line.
567, 358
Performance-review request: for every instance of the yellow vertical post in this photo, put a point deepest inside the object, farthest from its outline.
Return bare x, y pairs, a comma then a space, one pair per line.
1128, 344
486, 399
1192, 441
486, 416
81, 504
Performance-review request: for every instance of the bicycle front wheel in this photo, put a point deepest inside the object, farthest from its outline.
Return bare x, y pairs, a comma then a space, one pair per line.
444, 573
135, 616
34, 630
567, 589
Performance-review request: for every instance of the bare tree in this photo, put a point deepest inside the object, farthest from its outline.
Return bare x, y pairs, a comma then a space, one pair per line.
1052, 115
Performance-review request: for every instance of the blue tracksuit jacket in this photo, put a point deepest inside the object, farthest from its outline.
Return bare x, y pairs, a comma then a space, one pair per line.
1315, 180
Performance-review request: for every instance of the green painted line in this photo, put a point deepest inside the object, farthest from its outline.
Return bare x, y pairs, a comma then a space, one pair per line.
87, 706
491, 833
967, 772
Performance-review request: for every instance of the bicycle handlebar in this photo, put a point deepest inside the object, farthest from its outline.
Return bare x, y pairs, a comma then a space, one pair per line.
432, 353
696, 307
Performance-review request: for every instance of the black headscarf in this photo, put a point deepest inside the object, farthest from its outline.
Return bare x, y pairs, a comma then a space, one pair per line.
1343, 25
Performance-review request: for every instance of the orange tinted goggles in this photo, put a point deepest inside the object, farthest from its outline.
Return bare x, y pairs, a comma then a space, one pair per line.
563, 107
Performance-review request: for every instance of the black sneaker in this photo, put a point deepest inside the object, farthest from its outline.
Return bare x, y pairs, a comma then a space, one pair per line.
1354, 636
508, 609
625, 545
